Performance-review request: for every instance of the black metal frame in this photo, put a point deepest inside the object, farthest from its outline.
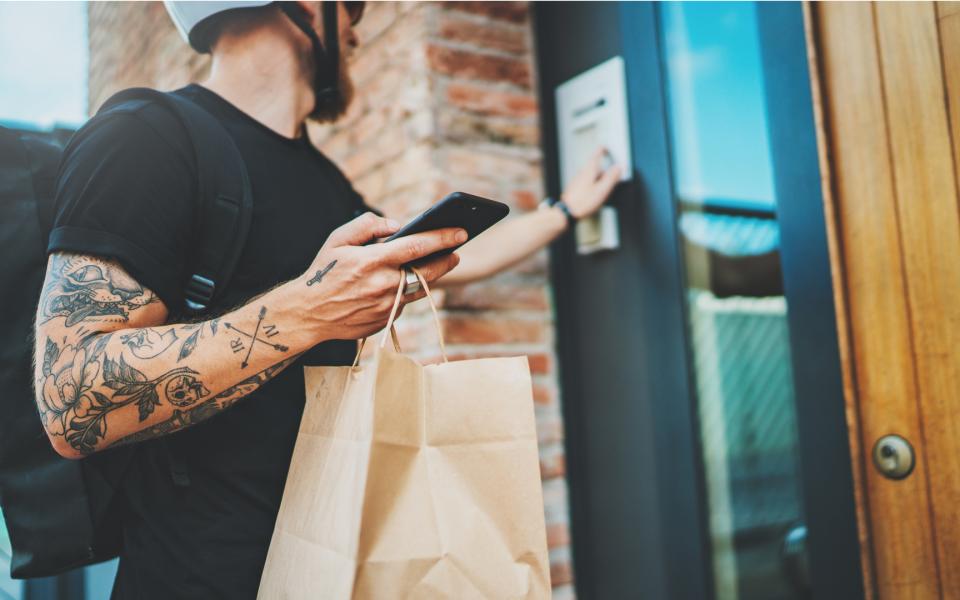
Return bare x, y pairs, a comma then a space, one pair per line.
825, 462
638, 522
666, 535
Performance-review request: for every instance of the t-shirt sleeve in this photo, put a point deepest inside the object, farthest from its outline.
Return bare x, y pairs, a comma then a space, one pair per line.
126, 192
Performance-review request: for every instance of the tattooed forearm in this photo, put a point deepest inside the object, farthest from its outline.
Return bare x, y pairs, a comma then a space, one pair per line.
207, 408
82, 288
82, 385
107, 369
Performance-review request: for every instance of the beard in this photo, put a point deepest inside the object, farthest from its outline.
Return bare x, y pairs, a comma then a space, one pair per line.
328, 108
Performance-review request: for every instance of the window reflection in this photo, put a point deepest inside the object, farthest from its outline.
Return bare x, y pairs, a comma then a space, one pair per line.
736, 310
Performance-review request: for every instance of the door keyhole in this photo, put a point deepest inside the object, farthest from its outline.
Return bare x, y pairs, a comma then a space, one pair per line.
893, 456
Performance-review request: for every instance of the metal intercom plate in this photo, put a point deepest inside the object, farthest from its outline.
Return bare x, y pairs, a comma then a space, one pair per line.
592, 111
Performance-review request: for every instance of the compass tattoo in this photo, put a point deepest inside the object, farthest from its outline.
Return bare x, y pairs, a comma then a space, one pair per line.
261, 334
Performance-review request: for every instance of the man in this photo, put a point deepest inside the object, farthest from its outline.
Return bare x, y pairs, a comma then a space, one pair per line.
116, 362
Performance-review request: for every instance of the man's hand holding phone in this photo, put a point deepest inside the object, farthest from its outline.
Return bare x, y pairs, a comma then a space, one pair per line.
350, 287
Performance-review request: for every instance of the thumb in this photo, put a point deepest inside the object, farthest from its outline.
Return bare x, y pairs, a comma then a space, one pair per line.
361, 230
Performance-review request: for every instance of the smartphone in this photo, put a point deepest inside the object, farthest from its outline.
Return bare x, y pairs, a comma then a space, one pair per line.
459, 209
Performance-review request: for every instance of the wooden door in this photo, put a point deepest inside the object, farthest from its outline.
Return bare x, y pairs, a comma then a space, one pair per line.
887, 86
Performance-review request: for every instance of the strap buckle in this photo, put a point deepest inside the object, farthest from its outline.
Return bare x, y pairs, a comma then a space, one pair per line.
198, 292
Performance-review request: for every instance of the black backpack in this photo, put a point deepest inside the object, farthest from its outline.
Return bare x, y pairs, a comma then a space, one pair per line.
58, 512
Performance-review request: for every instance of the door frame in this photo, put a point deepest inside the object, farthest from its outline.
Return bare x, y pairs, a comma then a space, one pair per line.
676, 538
823, 436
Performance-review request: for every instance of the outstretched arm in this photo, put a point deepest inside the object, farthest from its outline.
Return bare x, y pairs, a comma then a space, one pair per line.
108, 371
510, 242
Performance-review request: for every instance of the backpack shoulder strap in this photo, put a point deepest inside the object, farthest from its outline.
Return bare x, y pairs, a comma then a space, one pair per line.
225, 195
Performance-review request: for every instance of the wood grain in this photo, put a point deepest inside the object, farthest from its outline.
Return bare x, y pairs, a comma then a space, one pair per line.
875, 288
949, 26
927, 203
946, 9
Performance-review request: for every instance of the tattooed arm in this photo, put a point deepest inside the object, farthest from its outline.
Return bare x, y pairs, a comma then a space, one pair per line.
108, 370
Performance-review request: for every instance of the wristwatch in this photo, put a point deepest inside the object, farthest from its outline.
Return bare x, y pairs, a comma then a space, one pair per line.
551, 202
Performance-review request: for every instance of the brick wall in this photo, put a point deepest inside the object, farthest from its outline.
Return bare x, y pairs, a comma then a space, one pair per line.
445, 101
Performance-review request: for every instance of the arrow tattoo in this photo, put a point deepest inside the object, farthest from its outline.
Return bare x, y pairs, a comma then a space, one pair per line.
277, 347
256, 330
270, 330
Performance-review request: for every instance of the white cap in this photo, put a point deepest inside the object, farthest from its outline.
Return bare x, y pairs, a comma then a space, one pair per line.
187, 15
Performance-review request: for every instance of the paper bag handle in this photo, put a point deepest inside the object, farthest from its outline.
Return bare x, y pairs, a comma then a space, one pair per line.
391, 322
362, 342
436, 314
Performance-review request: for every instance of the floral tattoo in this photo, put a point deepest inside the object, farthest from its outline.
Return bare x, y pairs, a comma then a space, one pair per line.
72, 407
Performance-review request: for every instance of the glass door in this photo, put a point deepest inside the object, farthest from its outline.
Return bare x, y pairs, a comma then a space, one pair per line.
707, 448
736, 311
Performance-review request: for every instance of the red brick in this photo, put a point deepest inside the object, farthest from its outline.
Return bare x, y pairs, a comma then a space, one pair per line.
405, 203
394, 49
491, 295
466, 128
411, 166
489, 164
552, 467
558, 534
515, 12
535, 265
525, 199
369, 125
377, 17
543, 395
511, 132
486, 101
561, 573
491, 36
483, 330
549, 430
371, 186
472, 65
470, 185
539, 363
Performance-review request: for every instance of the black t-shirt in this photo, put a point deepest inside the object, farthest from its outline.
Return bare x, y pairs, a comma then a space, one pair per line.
127, 191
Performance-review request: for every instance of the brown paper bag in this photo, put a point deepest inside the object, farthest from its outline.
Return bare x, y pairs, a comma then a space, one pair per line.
411, 481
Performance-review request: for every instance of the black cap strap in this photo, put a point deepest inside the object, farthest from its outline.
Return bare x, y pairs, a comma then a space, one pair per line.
327, 58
